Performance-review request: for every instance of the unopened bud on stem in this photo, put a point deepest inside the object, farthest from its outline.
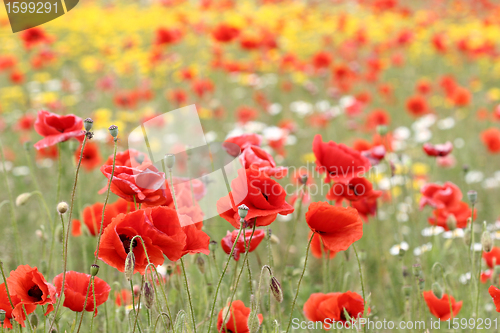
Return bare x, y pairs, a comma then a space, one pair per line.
87, 123
62, 207
129, 266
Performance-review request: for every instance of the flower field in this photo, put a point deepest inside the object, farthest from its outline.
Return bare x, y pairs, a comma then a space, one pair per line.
252, 166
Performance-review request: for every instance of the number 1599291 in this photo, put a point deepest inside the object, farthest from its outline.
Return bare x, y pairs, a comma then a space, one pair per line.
32, 7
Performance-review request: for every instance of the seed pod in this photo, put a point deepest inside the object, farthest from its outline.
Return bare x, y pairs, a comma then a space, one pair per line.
87, 123
382, 129
170, 160
94, 269
129, 266
303, 179
113, 130
486, 241
276, 289
22, 199
417, 270
243, 211
451, 222
2, 315
437, 290
472, 195
149, 295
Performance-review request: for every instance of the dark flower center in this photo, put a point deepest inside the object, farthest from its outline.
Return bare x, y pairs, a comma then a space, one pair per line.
126, 243
342, 314
36, 293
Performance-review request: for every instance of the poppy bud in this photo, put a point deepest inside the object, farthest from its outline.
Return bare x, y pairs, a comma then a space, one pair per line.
170, 160
407, 291
243, 211
225, 312
467, 237
417, 270
486, 241
253, 323
437, 290
451, 222
62, 207
274, 239
472, 195
22, 199
276, 289
200, 262
303, 179
2, 315
421, 284
129, 266
149, 295
113, 130
212, 245
87, 123
382, 129
94, 269
436, 271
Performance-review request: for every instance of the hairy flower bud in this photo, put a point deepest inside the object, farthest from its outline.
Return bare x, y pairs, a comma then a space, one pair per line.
486, 241
149, 295
22, 199
276, 289
421, 284
437, 290
62, 207
451, 222
253, 323
129, 266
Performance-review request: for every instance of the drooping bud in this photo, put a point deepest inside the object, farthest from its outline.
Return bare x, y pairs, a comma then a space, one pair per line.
276, 289
253, 323
2, 315
129, 266
170, 160
486, 241
94, 269
22, 199
113, 130
149, 295
87, 123
467, 237
451, 222
472, 195
437, 290
62, 207
243, 211
200, 262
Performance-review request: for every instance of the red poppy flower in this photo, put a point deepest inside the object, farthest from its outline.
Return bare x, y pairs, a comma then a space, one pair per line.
376, 118
243, 141
264, 197
225, 33
340, 162
318, 250
75, 291
417, 106
366, 207
34, 36
228, 241
441, 307
76, 228
91, 158
7, 307
92, 215
202, 86
321, 59
237, 318
123, 297
461, 211
142, 184
491, 139
461, 96
355, 189
331, 306
262, 160
25, 123
338, 227
492, 258
246, 114
166, 36
423, 86
56, 128
495, 294
440, 196
116, 238
439, 149
375, 154
29, 285
129, 158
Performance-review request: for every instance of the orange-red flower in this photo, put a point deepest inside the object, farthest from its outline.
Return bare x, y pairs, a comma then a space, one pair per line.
495, 294
338, 227
441, 307
318, 250
461, 211
243, 141
355, 189
75, 291
29, 285
417, 106
440, 196
92, 215
438, 150
225, 33
330, 307
56, 128
91, 158
366, 207
492, 258
264, 197
237, 318
242, 242
340, 162
262, 160
491, 139
7, 307
123, 297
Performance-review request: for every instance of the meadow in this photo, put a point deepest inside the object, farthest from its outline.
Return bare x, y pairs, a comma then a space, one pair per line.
363, 139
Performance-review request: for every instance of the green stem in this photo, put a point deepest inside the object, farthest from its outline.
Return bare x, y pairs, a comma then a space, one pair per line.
298, 285
362, 283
